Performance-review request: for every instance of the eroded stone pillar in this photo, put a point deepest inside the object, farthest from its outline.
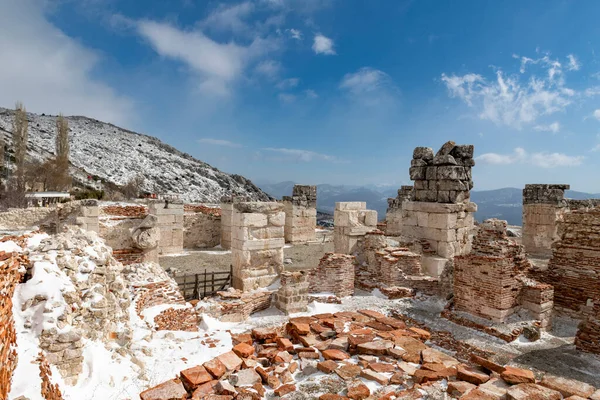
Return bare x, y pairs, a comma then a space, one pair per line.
170, 223
393, 216
226, 216
543, 206
301, 214
334, 275
257, 242
292, 296
351, 222
440, 211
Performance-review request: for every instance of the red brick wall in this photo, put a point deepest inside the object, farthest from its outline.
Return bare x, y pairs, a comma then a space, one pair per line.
574, 269
9, 278
588, 335
335, 274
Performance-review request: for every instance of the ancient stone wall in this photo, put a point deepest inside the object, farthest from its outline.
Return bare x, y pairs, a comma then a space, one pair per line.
588, 335
446, 227
9, 278
292, 296
574, 269
226, 219
334, 274
543, 206
445, 177
25, 218
491, 282
201, 227
352, 221
393, 216
301, 214
170, 223
257, 240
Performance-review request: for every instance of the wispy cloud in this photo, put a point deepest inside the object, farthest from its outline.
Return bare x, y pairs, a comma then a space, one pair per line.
288, 83
217, 64
553, 127
229, 18
516, 100
597, 146
540, 159
365, 80
323, 45
286, 97
596, 114
573, 64
294, 33
269, 68
50, 71
303, 155
311, 94
219, 142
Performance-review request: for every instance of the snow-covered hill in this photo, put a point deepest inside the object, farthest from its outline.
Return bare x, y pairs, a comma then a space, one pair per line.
117, 155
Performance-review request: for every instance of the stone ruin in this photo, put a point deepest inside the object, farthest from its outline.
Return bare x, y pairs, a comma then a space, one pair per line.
492, 281
257, 240
170, 222
352, 221
300, 214
393, 216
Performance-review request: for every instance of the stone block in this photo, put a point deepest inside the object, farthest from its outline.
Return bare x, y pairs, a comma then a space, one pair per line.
351, 206
371, 218
433, 266
249, 220
345, 218
442, 221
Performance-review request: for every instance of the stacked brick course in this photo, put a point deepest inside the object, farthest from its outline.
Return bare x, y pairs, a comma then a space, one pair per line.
257, 244
574, 269
588, 335
50, 391
491, 282
335, 274
352, 221
292, 296
237, 306
393, 216
543, 206
445, 177
170, 223
301, 214
9, 278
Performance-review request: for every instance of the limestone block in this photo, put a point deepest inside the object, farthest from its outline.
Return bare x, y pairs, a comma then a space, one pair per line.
371, 218
422, 218
345, 218
433, 266
412, 231
271, 232
258, 207
440, 235
351, 206
445, 249
277, 219
431, 207
250, 220
90, 211
258, 244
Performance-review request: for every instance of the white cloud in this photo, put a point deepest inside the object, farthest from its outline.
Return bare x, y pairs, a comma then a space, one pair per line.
303, 155
365, 80
219, 142
288, 83
597, 146
574, 64
295, 33
49, 71
514, 100
269, 68
553, 127
287, 97
311, 94
597, 114
229, 18
323, 45
217, 64
540, 159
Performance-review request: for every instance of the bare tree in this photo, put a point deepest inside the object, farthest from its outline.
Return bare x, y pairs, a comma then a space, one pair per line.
20, 136
134, 186
62, 179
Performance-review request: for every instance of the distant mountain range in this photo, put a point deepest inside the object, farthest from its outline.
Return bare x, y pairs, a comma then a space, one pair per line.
505, 203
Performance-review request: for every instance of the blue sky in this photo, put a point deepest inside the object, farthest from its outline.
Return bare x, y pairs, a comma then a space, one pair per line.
324, 91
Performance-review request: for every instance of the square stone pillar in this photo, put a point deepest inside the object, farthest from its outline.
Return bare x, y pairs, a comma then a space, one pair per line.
393, 216
257, 244
292, 296
89, 219
226, 216
543, 206
170, 223
351, 222
301, 214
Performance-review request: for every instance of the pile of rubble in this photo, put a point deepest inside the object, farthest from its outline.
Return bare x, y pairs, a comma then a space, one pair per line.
355, 355
233, 305
200, 208
125, 211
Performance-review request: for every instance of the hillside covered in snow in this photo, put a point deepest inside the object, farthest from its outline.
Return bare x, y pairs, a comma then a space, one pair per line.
117, 155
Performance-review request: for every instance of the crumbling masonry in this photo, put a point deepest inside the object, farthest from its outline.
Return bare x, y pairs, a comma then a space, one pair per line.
393, 217
301, 214
257, 244
352, 221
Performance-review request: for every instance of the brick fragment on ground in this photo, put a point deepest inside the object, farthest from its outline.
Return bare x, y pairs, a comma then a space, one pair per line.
243, 350
358, 392
204, 390
377, 348
471, 375
374, 376
487, 364
478, 394
331, 396
264, 333
458, 388
567, 387
515, 375
230, 361
245, 377
284, 389
327, 366
336, 355
169, 390
531, 391
194, 377
348, 371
